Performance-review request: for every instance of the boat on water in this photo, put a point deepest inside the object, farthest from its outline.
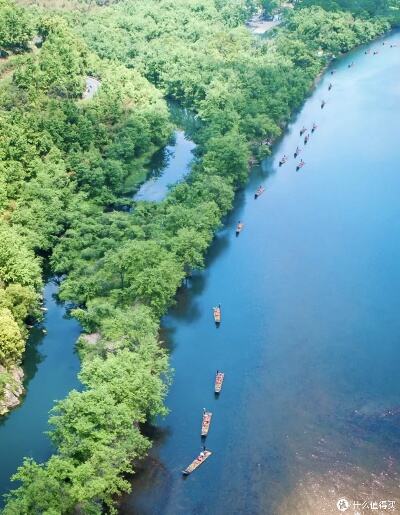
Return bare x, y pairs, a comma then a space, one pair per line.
260, 190
283, 161
205, 423
217, 314
219, 379
239, 228
201, 458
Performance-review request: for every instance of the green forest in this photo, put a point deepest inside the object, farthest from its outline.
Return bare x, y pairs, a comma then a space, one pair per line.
67, 161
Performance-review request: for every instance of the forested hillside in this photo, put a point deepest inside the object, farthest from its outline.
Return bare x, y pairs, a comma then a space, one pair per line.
69, 160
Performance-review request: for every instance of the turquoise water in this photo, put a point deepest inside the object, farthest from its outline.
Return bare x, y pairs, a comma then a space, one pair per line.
51, 367
168, 166
310, 332
172, 163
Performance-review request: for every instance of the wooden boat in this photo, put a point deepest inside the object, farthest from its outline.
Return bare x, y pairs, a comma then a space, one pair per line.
239, 228
217, 314
219, 379
205, 423
201, 458
259, 192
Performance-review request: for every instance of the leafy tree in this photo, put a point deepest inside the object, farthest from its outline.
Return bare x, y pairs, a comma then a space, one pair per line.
11, 342
16, 27
17, 263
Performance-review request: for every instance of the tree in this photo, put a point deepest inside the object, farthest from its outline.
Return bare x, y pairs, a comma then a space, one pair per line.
11, 342
16, 28
17, 263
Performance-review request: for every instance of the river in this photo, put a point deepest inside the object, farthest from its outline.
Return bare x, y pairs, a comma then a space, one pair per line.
168, 166
171, 163
51, 367
310, 333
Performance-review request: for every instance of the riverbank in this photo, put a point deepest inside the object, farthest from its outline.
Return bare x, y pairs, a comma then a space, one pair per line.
51, 366
13, 389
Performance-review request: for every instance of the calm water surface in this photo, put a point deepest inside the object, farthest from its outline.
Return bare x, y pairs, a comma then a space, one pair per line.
51, 368
310, 332
168, 166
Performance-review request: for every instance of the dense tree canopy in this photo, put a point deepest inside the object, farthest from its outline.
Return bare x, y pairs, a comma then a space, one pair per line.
59, 154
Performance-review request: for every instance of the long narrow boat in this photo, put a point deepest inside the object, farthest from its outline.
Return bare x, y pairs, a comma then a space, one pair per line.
259, 192
219, 379
205, 423
201, 458
239, 228
217, 314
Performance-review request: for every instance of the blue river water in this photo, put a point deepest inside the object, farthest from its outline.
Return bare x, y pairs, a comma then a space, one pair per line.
168, 166
51, 367
310, 333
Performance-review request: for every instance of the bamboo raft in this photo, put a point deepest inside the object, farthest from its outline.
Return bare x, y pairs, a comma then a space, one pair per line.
219, 379
217, 314
239, 228
205, 423
201, 458
259, 192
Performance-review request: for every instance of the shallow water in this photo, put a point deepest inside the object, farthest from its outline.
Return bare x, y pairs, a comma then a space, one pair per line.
51, 367
310, 332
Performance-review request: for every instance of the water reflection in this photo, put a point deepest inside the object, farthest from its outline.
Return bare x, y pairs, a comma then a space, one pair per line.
51, 367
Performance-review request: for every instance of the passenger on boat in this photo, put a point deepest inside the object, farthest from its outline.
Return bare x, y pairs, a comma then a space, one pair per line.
302, 131
306, 139
297, 152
